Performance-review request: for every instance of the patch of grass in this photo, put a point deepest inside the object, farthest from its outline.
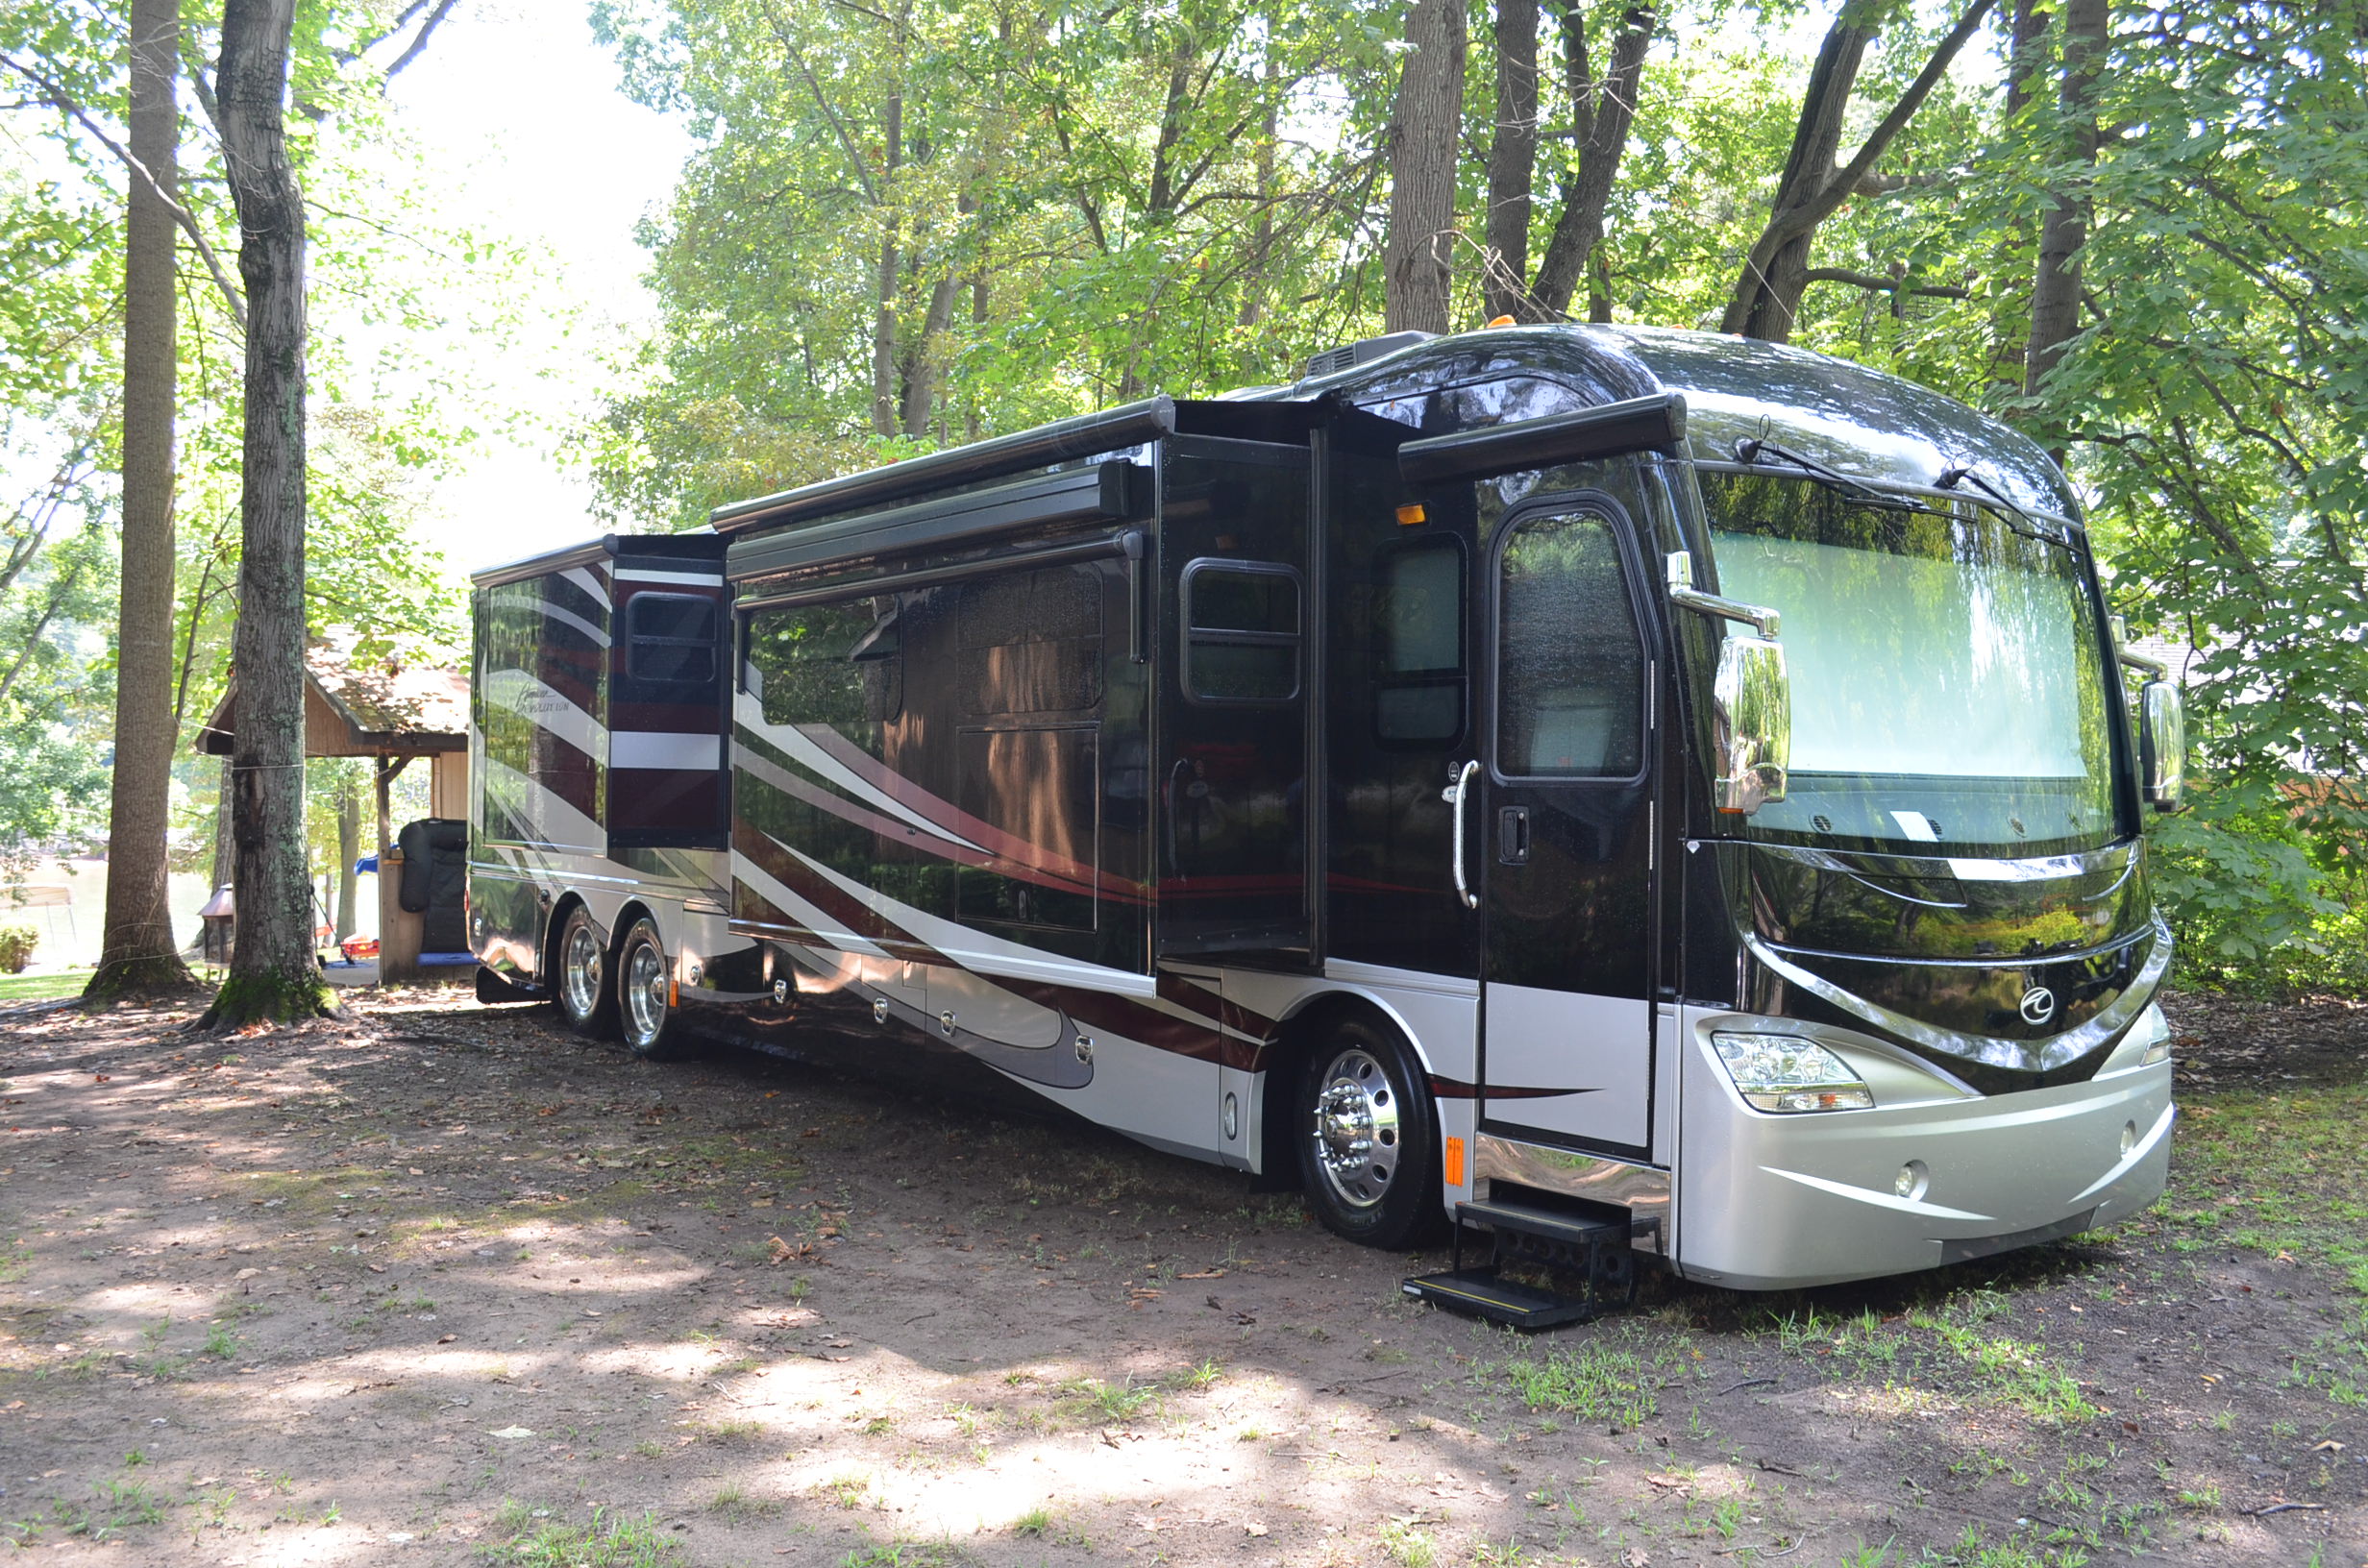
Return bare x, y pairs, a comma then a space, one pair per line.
2019, 1373
1091, 1398
1595, 1381
2282, 1167
1196, 1377
906, 1554
728, 1432
1036, 1523
1407, 1546
849, 1490
608, 1541
733, 1502
18, 989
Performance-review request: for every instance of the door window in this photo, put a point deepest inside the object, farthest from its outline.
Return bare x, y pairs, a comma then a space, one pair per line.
1570, 661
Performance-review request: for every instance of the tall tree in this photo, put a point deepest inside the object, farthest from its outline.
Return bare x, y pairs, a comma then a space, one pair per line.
1512, 161
1418, 254
1766, 297
2056, 288
1601, 110
272, 973
138, 951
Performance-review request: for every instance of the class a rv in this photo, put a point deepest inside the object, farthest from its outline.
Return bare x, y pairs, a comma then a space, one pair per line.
1644, 794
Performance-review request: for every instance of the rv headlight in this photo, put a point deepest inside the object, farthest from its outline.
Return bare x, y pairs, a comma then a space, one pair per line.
1786, 1073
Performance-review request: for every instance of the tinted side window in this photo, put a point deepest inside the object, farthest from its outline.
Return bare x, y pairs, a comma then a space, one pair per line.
1570, 662
1418, 644
1031, 642
827, 664
1240, 631
669, 637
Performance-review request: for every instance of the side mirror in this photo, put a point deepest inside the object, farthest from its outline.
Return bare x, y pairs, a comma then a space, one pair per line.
2163, 745
1753, 701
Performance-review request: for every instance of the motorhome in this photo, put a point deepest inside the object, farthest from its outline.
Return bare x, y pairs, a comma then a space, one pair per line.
1645, 795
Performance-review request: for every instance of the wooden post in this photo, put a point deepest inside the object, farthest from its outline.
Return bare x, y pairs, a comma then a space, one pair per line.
399, 930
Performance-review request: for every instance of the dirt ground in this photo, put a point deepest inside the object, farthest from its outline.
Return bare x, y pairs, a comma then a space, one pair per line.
444, 1283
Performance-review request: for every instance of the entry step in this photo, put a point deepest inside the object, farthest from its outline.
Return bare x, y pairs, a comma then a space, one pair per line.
1578, 1229
1479, 1293
1592, 1252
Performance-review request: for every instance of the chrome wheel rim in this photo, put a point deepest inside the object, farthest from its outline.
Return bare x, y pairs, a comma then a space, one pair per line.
1355, 1128
579, 971
645, 991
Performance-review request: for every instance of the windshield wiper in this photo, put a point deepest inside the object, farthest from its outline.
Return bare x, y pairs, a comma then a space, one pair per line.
1751, 451
2029, 528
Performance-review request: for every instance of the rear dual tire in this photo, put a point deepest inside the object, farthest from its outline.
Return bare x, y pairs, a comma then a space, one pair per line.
631, 999
587, 999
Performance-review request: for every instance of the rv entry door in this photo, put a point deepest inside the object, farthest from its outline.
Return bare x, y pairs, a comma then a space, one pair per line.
1557, 827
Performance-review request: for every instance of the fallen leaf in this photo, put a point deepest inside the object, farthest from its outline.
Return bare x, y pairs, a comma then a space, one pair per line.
510, 1432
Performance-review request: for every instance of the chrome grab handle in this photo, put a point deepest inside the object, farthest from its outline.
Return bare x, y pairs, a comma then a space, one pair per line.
1453, 795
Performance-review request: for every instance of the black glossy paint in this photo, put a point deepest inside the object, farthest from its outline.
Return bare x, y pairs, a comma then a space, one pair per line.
1570, 632
1231, 785
1396, 722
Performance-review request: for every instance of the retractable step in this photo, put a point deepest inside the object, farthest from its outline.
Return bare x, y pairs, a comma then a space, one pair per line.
1593, 1253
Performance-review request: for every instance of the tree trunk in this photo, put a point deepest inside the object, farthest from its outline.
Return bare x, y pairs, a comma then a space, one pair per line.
272, 974
1601, 113
1767, 300
2056, 290
884, 325
1262, 240
137, 951
1512, 161
2009, 321
349, 850
921, 360
1417, 256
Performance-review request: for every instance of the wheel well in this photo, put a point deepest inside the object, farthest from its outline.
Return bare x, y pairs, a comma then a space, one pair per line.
633, 910
1296, 1038
547, 957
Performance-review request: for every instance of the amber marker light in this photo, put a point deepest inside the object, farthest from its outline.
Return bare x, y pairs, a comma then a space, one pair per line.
1409, 516
1500, 321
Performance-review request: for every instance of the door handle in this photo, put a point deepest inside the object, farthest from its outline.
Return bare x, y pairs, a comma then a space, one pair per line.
1453, 795
1513, 835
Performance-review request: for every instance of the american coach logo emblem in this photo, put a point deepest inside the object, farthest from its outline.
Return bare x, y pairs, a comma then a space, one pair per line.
2038, 1005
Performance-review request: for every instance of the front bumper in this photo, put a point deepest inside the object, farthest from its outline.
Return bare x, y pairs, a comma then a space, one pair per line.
1779, 1202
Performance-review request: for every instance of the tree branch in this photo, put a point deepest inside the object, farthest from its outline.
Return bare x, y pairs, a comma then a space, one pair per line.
419, 40
1889, 285
65, 104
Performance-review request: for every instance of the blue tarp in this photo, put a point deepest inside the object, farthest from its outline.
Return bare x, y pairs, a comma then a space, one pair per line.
367, 865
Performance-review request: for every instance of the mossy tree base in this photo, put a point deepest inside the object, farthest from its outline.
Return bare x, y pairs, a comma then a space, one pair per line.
132, 979
270, 998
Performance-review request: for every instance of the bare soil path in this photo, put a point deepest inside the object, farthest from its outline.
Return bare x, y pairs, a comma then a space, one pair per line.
444, 1283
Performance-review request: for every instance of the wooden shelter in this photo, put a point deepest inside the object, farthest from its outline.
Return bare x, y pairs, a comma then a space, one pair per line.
394, 715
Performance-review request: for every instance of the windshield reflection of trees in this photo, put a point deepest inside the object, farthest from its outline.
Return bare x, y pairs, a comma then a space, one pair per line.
1945, 666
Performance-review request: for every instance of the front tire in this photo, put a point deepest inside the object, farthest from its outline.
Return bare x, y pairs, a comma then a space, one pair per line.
645, 990
1367, 1138
587, 1000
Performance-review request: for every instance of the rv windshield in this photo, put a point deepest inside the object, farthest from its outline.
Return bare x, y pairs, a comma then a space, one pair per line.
1950, 695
